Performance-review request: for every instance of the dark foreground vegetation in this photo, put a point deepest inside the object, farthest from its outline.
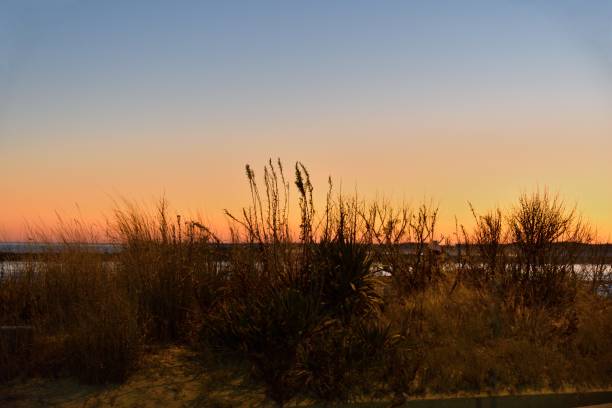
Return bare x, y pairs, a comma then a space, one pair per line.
340, 311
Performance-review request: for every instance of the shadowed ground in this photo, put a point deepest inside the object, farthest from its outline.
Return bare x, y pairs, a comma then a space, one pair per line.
176, 377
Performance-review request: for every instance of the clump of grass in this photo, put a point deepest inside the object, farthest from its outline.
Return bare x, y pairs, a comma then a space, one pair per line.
79, 321
166, 267
105, 342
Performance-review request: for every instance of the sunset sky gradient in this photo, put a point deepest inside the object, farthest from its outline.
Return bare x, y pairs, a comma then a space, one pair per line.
444, 100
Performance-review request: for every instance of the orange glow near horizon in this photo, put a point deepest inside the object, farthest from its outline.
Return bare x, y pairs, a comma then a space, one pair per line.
82, 181
93, 204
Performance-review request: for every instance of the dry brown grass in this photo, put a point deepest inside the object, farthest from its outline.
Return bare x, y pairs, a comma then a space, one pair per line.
311, 317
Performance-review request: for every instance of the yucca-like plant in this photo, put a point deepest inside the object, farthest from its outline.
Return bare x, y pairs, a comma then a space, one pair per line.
337, 359
271, 306
343, 267
287, 297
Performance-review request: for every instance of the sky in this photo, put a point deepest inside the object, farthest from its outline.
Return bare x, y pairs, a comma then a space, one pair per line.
436, 100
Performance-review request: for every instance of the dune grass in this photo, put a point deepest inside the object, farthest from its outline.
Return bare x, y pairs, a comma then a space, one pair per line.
308, 312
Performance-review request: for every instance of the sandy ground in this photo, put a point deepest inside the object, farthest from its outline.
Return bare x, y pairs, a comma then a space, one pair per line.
169, 378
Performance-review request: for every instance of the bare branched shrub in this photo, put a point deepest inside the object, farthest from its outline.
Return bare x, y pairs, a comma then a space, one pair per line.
546, 237
489, 237
403, 241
